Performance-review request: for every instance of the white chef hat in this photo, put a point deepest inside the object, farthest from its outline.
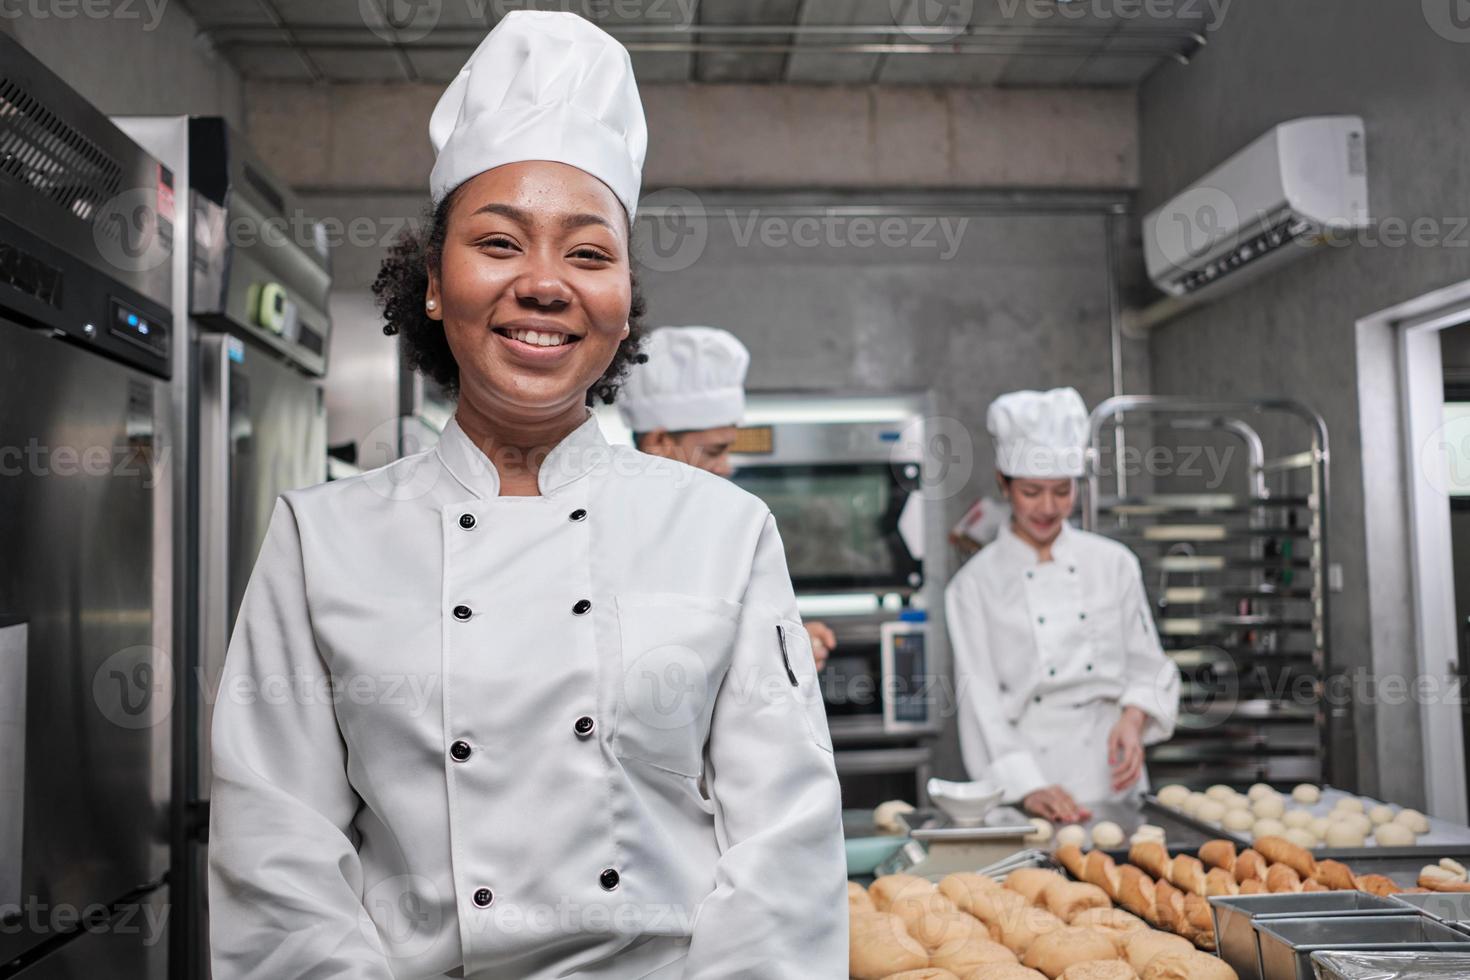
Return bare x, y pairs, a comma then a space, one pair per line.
694, 379
1039, 435
543, 85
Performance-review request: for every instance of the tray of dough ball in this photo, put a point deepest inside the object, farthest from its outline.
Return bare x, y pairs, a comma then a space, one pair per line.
1326, 820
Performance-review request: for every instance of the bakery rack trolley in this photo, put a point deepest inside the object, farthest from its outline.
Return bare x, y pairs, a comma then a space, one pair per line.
1235, 562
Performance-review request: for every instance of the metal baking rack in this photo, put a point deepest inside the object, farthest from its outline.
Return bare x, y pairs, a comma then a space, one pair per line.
1225, 505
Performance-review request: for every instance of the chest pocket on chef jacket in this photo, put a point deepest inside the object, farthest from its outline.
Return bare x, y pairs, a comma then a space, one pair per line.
675, 652
803, 666
1106, 625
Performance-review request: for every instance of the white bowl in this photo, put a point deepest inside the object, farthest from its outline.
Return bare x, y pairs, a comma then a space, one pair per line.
965, 803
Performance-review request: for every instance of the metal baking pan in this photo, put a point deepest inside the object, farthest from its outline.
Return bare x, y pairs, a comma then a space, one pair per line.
1236, 918
1391, 966
1287, 945
1444, 906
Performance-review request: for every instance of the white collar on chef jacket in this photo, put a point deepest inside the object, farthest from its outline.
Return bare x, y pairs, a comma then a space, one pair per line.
1017, 551
579, 453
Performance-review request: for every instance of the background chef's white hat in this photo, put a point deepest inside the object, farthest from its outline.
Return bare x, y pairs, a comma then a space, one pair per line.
694, 379
543, 85
1039, 435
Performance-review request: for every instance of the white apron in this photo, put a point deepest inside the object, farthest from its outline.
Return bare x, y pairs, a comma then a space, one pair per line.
1047, 655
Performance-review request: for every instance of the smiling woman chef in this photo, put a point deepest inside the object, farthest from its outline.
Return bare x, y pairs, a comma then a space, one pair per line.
621, 766
1061, 677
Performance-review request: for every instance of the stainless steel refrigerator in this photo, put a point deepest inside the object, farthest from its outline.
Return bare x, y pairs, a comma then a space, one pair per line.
86, 537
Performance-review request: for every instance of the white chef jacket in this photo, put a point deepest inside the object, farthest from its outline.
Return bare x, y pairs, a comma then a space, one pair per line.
1047, 655
572, 735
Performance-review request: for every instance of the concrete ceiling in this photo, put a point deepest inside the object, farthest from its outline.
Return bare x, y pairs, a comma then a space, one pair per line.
1005, 43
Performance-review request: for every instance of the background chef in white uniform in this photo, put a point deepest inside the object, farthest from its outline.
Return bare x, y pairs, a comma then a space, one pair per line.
1061, 676
685, 402
524, 705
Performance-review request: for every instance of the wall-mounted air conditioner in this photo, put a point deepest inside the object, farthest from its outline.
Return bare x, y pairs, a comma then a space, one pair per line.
1302, 183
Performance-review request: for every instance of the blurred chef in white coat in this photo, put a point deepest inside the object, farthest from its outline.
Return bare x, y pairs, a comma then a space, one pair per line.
524, 705
1061, 677
685, 402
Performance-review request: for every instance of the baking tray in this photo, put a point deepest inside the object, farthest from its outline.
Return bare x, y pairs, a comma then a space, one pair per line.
1208, 830
1236, 918
1287, 945
1391, 966
1451, 907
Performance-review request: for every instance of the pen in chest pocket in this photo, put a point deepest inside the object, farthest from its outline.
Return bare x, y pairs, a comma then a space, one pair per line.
785, 657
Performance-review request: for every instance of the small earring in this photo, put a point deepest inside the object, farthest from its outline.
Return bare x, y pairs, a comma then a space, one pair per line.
627, 329
431, 304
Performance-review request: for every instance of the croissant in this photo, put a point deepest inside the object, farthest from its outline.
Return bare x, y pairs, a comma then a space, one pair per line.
1279, 850
1335, 876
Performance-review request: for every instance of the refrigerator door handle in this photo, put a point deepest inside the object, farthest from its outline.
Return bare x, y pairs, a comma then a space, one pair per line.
13, 652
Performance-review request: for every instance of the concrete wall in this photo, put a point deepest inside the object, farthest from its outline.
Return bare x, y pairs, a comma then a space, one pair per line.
1293, 333
138, 58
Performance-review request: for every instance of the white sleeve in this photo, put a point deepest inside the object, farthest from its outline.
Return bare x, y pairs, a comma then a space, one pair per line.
1150, 677
777, 910
989, 743
285, 880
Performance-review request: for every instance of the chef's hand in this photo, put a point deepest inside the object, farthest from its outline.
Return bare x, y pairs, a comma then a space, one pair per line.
823, 640
1125, 749
1055, 804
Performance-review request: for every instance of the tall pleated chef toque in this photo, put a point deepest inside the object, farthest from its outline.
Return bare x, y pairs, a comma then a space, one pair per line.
1039, 435
694, 379
543, 85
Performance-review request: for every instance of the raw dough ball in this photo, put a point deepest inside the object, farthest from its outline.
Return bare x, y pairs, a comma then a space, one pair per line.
1173, 795
1344, 834
1306, 793
1107, 835
1301, 838
1239, 820
1238, 802
1358, 820
1350, 804
1380, 814
1297, 817
1455, 868
1259, 790
1211, 811
1191, 806
1269, 827
1219, 792
1319, 826
1042, 833
1271, 806
1072, 834
1414, 820
1391, 834
1149, 831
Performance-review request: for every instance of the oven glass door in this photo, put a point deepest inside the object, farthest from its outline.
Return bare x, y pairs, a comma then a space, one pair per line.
840, 522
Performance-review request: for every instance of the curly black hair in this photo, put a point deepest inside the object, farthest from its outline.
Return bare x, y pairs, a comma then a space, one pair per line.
403, 282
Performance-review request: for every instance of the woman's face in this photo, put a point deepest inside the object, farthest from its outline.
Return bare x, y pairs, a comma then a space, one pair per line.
533, 287
1039, 507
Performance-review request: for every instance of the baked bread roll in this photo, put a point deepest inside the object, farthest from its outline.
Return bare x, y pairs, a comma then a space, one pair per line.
1218, 854
1061, 948
1065, 899
964, 956
1201, 923
1070, 857
1187, 874
1253, 886
1283, 878
1099, 970
1114, 922
919, 909
928, 973
1311, 885
1380, 885
887, 888
1144, 946
1334, 875
1250, 864
1136, 893
857, 898
960, 887
1170, 901
1018, 928
1100, 870
1218, 881
1280, 850
1152, 857
1004, 971
934, 931
1187, 965
878, 946
1029, 883
1438, 879
991, 907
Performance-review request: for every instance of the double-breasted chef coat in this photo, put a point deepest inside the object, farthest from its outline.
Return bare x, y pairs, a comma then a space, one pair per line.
571, 735
1047, 655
